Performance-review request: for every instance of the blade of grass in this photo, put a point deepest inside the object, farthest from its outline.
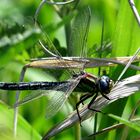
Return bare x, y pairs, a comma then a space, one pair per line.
126, 35
126, 122
25, 130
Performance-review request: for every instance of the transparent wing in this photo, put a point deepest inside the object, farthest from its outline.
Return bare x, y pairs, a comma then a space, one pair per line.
78, 63
57, 101
32, 96
79, 33
58, 95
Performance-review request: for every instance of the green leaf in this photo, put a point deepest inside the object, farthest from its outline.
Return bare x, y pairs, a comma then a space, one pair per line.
126, 122
127, 32
24, 129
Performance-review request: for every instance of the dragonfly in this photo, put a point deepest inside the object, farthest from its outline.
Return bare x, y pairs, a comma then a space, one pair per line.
80, 81
123, 88
77, 83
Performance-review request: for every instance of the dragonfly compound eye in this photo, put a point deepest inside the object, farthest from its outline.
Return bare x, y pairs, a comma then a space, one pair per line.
105, 84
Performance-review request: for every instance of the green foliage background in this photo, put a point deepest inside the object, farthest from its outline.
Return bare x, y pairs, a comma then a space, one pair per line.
19, 42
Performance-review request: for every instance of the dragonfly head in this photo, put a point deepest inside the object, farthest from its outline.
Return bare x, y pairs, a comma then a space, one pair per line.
105, 84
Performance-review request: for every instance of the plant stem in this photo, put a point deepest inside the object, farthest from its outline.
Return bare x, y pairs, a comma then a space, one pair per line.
77, 125
77, 131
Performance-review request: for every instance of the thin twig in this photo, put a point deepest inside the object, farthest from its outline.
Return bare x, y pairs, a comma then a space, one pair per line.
50, 3
128, 64
112, 128
46, 50
17, 99
135, 11
120, 124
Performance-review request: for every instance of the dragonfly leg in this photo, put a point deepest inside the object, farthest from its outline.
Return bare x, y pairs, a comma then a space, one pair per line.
82, 99
91, 102
105, 96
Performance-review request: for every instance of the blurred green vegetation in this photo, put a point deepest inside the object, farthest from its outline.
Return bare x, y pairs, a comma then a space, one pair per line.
19, 42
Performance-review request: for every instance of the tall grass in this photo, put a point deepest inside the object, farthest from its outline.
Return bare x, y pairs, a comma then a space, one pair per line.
19, 42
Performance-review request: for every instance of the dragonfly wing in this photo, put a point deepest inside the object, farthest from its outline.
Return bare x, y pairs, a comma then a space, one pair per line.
59, 98
59, 95
30, 97
79, 32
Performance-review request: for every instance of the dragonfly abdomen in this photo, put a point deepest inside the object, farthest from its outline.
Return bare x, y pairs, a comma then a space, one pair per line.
29, 85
